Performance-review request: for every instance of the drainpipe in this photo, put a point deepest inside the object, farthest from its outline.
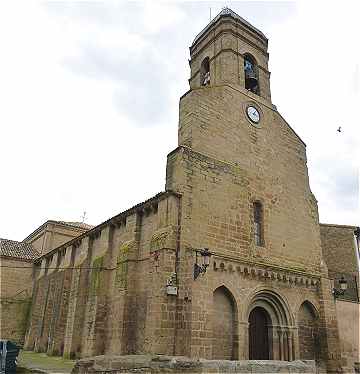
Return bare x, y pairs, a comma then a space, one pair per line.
357, 240
357, 250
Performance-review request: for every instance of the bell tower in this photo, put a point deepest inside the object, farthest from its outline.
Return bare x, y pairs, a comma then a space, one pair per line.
242, 174
230, 51
229, 91
227, 118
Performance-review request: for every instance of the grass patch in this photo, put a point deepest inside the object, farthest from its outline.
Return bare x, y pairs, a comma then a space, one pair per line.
28, 360
20, 370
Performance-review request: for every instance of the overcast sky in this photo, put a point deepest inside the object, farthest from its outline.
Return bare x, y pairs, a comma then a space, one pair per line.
89, 101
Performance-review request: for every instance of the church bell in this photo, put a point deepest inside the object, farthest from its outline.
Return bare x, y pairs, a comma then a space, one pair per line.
250, 79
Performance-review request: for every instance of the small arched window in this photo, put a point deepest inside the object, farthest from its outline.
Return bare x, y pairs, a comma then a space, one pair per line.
251, 74
205, 72
258, 224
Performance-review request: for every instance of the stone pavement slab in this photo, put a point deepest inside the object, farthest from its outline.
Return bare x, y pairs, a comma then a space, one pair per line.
162, 364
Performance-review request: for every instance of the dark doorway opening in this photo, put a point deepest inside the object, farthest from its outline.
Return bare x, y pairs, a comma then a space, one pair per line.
258, 334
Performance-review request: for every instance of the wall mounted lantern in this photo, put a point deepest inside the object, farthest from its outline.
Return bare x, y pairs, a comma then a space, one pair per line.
171, 285
343, 287
205, 255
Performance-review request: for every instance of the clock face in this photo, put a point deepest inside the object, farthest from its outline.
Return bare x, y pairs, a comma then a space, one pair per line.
253, 114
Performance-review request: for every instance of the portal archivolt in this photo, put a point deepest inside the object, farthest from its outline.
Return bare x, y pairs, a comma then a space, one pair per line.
271, 330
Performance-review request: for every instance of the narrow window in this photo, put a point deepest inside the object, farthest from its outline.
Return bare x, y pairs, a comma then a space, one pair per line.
205, 72
258, 223
251, 76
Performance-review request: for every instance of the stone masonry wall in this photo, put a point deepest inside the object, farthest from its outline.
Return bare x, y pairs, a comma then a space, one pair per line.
234, 163
15, 301
15, 277
348, 315
223, 165
339, 252
105, 293
338, 247
308, 333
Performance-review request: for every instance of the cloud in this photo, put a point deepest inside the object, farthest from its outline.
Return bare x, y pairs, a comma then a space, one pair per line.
355, 80
140, 81
314, 86
344, 187
133, 55
141, 18
90, 91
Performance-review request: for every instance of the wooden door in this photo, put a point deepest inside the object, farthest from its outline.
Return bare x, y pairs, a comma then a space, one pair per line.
258, 335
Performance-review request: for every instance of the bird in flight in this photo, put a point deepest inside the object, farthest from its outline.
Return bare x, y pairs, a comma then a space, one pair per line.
339, 129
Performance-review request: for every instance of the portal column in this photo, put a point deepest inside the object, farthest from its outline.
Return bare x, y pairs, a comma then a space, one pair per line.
274, 342
296, 348
291, 343
281, 344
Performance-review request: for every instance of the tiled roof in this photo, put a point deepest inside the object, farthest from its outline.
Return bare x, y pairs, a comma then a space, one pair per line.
77, 225
12, 248
228, 12
338, 226
156, 198
80, 225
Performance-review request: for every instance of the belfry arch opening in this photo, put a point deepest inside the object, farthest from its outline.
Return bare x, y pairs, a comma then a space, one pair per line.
224, 325
251, 74
205, 72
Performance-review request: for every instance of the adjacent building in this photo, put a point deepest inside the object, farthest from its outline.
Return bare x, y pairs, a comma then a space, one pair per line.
16, 272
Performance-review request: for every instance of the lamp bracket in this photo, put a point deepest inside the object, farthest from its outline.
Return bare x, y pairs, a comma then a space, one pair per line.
337, 292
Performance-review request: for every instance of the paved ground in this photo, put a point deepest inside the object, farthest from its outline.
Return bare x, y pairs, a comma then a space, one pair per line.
31, 362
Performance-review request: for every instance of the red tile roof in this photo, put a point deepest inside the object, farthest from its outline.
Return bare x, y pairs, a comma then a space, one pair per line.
21, 250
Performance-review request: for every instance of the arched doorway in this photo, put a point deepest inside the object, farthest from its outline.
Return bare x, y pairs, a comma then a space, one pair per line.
308, 331
271, 327
258, 334
224, 325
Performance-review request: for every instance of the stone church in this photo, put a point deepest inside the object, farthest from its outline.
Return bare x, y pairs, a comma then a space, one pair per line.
230, 261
